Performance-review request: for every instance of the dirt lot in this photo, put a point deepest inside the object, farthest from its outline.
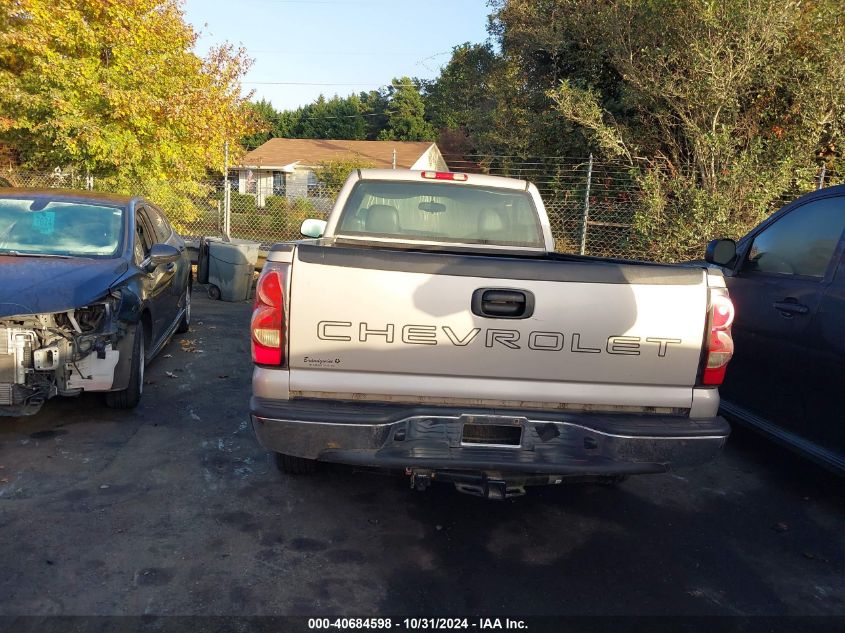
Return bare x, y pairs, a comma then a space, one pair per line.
174, 509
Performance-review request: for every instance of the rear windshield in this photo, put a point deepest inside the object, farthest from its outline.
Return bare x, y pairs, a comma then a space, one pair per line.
52, 227
441, 212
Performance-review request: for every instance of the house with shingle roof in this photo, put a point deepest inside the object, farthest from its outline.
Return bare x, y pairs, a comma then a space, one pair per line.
285, 166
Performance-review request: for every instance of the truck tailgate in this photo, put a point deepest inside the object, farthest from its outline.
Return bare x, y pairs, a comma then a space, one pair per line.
399, 326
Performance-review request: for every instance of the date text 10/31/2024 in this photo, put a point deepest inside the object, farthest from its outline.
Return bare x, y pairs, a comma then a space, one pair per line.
416, 624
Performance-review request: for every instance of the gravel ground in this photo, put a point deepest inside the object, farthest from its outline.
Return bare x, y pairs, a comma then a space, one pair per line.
173, 508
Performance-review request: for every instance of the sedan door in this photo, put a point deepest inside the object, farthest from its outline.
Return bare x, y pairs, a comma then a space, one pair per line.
179, 271
157, 281
785, 267
826, 369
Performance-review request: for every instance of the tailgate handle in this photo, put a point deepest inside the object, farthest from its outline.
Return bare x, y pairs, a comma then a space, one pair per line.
502, 303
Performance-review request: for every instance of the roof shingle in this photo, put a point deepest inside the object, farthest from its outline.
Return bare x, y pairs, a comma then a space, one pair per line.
278, 152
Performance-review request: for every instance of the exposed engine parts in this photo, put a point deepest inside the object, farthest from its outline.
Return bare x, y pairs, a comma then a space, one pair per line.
44, 355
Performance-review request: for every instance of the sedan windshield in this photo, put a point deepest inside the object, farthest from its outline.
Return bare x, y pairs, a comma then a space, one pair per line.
41, 226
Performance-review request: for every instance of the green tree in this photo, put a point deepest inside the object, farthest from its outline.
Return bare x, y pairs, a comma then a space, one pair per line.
333, 173
462, 96
355, 118
406, 114
335, 118
113, 89
266, 124
720, 107
374, 110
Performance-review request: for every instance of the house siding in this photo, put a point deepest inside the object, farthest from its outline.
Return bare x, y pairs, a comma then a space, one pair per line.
298, 183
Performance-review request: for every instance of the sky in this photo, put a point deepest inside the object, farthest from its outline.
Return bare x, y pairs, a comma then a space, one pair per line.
346, 46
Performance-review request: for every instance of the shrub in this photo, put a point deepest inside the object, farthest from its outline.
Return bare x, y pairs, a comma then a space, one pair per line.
276, 205
243, 203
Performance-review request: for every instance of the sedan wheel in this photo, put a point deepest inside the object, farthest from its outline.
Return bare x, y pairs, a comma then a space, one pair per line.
185, 323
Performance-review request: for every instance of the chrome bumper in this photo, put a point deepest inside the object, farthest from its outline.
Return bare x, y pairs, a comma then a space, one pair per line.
548, 443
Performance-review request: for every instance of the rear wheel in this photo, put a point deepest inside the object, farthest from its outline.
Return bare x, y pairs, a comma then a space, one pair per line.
128, 398
214, 292
185, 323
291, 465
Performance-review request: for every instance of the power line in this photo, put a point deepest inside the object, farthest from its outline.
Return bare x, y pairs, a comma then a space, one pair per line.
314, 52
379, 84
339, 116
313, 83
353, 3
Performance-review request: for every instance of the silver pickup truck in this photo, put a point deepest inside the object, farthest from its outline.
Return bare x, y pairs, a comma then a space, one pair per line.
429, 326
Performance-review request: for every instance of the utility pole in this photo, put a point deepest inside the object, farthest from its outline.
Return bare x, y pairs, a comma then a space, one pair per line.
586, 216
227, 195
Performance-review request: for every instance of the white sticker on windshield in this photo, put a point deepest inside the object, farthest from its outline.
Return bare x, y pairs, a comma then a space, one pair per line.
44, 222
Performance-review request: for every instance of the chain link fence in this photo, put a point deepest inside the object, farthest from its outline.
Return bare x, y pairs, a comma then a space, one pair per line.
591, 204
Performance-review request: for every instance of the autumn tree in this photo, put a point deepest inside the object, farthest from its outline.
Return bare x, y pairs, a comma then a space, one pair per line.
114, 89
719, 106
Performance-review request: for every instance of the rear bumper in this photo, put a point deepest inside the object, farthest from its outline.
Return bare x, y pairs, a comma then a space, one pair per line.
401, 436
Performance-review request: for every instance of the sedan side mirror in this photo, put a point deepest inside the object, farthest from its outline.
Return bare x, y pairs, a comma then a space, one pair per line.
720, 252
313, 228
161, 254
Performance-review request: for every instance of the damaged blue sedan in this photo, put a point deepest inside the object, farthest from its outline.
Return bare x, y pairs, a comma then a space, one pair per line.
92, 286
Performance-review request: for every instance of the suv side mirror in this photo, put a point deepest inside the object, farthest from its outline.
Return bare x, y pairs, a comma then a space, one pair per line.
313, 228
161, 254
720, 252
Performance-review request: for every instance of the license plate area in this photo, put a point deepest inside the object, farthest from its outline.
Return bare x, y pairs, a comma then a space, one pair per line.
492, 431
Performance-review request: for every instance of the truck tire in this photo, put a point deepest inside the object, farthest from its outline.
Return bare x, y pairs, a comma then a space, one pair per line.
128, 398
185, 323
291, 465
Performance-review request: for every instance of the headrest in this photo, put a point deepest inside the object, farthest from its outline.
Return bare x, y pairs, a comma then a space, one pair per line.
383, 218
490, 221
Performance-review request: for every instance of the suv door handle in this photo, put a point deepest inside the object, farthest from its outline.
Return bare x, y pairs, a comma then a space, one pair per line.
502, 303
788, 308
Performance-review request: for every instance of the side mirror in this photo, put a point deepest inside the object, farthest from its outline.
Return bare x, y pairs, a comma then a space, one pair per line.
161, 254
720, 252
313, 228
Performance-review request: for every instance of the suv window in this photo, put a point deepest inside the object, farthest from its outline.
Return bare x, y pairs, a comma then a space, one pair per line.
800, 243
159, 223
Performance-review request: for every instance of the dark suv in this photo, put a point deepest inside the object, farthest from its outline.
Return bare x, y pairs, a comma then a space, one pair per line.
787, 281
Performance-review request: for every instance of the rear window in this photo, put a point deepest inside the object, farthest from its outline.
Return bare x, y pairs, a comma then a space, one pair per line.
441, 212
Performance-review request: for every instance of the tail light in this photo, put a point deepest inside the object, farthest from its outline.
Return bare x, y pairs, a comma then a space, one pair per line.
268, 316
444, 175
720, 345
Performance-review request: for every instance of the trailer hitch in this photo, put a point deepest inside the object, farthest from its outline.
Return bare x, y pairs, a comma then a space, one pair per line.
483, 484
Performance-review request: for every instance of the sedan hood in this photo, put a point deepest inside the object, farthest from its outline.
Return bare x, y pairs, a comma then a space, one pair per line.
41, 285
